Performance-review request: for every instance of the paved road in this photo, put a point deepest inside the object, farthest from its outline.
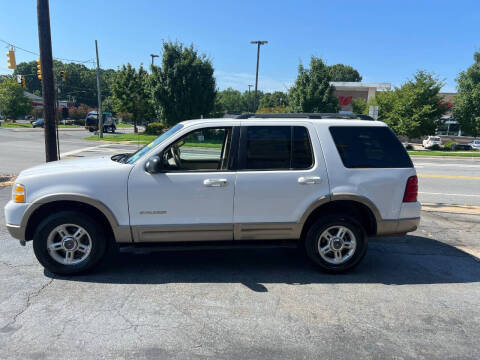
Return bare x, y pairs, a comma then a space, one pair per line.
411, 298
20, 148
449, 181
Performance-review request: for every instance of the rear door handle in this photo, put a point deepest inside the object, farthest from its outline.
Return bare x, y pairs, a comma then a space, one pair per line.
309, 180
215, 182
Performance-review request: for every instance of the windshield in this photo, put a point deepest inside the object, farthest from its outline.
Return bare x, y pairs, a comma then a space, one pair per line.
140, 152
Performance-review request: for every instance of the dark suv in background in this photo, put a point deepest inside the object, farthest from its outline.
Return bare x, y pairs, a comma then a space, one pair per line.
91, 122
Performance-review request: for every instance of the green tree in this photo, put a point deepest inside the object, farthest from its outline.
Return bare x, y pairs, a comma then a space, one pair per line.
231, 101
466, 106
359, 106
341, 72
29, 70
80, 82
312, 91
183, 87
275, 99
13, 102
274, 110
130, 93
414, 109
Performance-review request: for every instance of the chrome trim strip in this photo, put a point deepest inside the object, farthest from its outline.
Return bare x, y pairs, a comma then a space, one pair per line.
185, 232
267, 231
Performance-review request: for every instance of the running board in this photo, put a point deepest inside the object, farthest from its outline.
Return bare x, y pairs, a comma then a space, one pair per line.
142, 248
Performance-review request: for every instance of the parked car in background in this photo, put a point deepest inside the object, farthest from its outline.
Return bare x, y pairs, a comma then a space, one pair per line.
38, 123
475, 144
457, 147
430, 141
91, 122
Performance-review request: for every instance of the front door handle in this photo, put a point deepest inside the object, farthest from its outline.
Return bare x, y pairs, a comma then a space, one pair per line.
309, 180
215, 182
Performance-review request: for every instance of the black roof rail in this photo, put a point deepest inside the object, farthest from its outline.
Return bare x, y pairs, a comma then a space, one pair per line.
306, 116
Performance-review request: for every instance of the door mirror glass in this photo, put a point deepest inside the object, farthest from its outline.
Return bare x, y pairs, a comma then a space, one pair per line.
154, 165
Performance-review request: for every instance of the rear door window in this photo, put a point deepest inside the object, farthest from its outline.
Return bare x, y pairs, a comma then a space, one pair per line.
369, 147
275, 148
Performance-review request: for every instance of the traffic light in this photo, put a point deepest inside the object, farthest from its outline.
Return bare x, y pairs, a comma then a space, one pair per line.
12, 64
24, 83
62, 75
39, 70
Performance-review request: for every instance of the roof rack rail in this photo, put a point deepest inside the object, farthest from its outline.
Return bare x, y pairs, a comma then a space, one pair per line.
305, 116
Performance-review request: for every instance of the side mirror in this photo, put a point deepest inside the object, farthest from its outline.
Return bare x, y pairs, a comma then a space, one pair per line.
153, 165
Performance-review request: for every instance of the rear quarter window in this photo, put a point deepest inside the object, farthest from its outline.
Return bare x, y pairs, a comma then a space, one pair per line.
369, 147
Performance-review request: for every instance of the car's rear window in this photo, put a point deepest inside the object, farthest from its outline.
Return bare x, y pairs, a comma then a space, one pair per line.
369, 147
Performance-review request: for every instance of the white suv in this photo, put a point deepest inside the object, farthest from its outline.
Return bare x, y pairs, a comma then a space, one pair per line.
322, 182
430, 141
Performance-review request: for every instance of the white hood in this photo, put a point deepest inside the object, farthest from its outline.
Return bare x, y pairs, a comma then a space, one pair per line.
72, 165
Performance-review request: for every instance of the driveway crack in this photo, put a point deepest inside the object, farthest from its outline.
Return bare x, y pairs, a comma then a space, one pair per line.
30, 297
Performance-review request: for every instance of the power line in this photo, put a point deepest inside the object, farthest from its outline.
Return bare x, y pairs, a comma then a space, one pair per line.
34, 53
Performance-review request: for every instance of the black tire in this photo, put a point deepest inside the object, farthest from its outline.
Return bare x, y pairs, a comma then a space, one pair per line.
95, 231
312, 240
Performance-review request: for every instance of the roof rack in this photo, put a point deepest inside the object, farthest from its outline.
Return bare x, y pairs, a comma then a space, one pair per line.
306, 116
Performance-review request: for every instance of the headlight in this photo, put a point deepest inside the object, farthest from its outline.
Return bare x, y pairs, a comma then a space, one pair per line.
18, 193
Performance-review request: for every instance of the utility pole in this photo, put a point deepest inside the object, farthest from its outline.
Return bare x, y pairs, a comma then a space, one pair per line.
249, 98
153, 57
100, 114
259, 43
48, 86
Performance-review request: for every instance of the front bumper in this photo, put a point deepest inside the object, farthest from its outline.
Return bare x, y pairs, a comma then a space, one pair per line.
13, 217
16, 231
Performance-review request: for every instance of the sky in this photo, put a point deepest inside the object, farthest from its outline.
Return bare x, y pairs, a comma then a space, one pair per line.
385, 40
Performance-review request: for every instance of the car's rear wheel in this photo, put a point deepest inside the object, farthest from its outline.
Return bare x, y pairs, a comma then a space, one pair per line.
69, 242
336, 243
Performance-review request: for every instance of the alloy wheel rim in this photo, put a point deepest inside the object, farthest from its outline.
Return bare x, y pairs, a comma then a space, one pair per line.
337, 244
69, 244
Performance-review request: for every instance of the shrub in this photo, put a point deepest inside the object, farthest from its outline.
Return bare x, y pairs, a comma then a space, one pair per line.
79, 112
409, 147
155, 128
435, 147
449, 146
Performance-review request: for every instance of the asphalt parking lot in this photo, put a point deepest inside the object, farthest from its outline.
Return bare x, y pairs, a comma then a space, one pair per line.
416, 297
413, 297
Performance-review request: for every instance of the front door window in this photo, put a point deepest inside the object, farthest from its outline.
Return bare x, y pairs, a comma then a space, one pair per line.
200, 150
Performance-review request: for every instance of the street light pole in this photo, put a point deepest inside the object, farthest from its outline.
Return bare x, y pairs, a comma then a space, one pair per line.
153, 57
249, 98
100, 113
259, 43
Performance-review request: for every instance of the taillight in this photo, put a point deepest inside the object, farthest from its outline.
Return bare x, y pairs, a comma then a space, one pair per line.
411, 190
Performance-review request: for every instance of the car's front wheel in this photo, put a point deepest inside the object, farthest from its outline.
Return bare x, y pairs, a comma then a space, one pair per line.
69, 242
336, 243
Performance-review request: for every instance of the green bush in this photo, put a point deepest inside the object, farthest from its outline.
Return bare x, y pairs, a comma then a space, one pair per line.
409, 147
449, 146
435, 147
154, 128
